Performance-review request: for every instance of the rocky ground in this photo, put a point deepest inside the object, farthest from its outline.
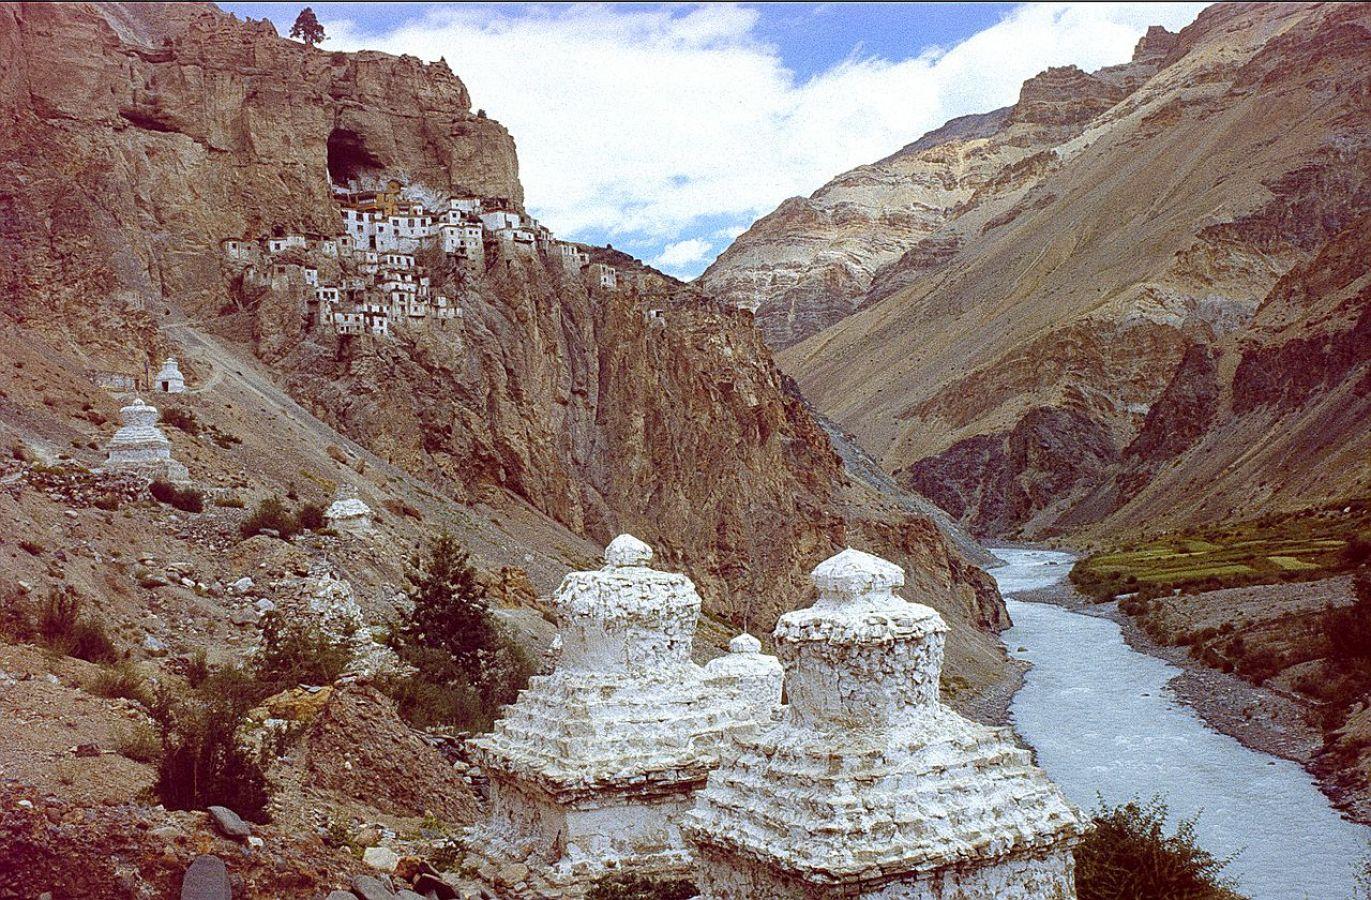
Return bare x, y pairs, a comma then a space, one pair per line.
1270, 716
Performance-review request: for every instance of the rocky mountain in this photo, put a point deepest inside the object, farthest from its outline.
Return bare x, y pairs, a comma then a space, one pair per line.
554, 414
1135, 299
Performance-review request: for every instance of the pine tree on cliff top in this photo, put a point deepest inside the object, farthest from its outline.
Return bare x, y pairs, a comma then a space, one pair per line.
307, 27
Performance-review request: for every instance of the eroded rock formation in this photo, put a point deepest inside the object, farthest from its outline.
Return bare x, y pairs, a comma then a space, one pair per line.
1119, 320
566, 398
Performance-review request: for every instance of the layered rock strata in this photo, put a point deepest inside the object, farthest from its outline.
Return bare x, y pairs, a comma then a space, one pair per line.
1146, 255
868, 786
595, 764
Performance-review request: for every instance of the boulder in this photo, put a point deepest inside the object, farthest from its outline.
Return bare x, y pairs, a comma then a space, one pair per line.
229, 823
206, 879
381, 858
368, 888
428, 884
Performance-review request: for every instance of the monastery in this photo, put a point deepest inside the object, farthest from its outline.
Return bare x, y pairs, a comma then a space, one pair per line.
372, 280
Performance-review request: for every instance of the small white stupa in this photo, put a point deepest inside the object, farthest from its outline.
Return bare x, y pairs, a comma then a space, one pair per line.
170, 380
140, 447
868, 787
349, 515
595, 764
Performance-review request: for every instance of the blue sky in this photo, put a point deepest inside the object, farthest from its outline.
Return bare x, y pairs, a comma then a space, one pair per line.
666, 129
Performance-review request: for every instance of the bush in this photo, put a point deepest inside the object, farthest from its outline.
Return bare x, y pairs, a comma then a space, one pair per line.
1127, 855
627, 886
1348, 629
294, 653
32, 548
229, 501
186, 499
309, 517
201, 762
1357, 552
270, 515
139, 742
122, 680
61, 626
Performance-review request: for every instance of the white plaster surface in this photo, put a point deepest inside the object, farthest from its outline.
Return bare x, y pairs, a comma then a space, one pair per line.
350, 516
595, 764
170, 376
140, 446
868, 786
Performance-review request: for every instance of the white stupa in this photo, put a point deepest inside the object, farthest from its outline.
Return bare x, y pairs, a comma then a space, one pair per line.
140, 447
350, 515
169, 379
868, 787
595, 764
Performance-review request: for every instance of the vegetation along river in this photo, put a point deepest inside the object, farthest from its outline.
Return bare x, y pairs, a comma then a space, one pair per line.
1105, 724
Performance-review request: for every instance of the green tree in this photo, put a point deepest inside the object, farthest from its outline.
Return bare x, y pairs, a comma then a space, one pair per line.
1127, 855
451, 612
307, 27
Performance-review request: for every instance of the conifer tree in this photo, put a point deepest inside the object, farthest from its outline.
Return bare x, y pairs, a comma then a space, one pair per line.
451, 610
307, 27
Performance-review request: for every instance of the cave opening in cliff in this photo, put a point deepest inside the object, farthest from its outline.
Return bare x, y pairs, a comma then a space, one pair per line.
349, 158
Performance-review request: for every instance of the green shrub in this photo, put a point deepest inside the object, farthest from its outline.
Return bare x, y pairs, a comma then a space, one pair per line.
197, 668
202, 762
1357, 552
1348, 629
61, 626
294, 653
628, 886
466, 667
425, 703
186, 499
270, 515
120, 680
309, 517
138, 741
1127, 855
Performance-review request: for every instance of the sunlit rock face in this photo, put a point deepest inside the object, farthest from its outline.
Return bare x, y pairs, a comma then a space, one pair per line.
596, 763
140, 447
868, 786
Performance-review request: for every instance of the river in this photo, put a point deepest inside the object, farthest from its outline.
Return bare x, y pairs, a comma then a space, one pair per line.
1104, 723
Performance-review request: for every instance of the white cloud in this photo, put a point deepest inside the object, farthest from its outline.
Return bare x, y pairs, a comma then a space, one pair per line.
680, 256
639, 124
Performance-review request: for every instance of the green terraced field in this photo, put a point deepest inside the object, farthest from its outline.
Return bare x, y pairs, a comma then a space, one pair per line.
1308, 544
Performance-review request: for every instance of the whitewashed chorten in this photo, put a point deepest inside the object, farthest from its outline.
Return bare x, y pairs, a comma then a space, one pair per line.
140, 447
349, 515
868, 787
169, 379
595, 764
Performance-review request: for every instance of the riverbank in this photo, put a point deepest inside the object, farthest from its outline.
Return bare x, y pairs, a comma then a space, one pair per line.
1104, 721
1260, 718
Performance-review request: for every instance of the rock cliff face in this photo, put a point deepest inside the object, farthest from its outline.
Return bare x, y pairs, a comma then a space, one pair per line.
139, 136
143, 135
1121, 302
